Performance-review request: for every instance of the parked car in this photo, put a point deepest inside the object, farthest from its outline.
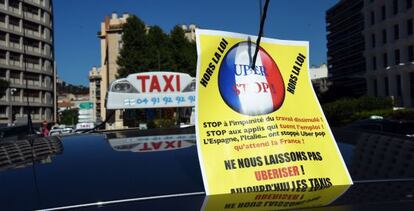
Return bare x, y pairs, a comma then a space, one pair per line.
60, 131
403, 128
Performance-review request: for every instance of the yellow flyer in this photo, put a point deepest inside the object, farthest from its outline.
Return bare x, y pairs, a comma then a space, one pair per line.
261, 128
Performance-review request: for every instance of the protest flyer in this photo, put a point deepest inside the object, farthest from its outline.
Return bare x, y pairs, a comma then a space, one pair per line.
261, 128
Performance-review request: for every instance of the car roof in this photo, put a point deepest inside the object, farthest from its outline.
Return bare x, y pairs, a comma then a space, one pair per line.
138, 169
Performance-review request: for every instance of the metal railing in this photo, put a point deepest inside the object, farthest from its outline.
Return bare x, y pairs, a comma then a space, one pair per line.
15, 28
14, 63
3, 61
15, 45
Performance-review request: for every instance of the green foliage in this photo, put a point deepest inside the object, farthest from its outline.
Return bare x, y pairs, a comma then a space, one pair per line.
185, 53
344, 111
4, 85
153, 50
164, 123
132, 57
69, 117
70, 88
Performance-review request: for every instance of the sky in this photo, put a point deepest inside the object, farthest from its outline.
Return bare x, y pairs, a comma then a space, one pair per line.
77, 48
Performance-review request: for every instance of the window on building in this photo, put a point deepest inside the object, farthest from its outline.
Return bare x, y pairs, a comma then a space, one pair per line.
14, 38
2, 18
409, 4
374, 63
409, 26
31, 9
396, 32
384, 36
386, 86
14, 4
14, 21
31, 60
15, 57
31, 77
410, 53
383, 12
2, 110
30, 25
2, 54
395, 7
373, 40
372, 18
399, 89
31, 43
385, 60
397, 56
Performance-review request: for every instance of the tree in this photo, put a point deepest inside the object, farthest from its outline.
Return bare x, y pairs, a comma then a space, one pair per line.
159, 53
185, 55
132, 56
69, 117
4, 85
151, 50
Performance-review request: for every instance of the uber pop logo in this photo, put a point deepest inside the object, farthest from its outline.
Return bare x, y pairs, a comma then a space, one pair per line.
250, 91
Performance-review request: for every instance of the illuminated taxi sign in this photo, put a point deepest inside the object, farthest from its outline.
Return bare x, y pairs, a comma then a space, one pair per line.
152, 90
153, 143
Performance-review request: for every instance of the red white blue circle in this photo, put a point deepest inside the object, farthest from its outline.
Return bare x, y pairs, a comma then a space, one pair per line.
250, 91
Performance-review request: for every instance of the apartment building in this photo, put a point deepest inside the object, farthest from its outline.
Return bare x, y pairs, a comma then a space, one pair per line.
95, 79
345, 42
110, 37
27, 60
389, 54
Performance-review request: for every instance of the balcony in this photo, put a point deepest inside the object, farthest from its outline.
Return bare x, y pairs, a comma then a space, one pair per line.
15, 28
14, 63
16, 99
32, 49
15, 45
29, 32
33, 66
3, 43
32, 16
3, 115
36, 116
32, 99
15, 81
32, 83
14, 10
3, 61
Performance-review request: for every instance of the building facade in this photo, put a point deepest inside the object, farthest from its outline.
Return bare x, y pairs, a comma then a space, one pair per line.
95, 79
345, 42
27, 60
111, 42
189, 32
389, 54
319, 78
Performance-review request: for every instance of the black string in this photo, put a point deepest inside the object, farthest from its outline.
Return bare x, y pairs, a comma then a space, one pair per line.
262, 21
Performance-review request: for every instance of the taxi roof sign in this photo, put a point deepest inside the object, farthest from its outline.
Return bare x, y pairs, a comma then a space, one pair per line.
152, 90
